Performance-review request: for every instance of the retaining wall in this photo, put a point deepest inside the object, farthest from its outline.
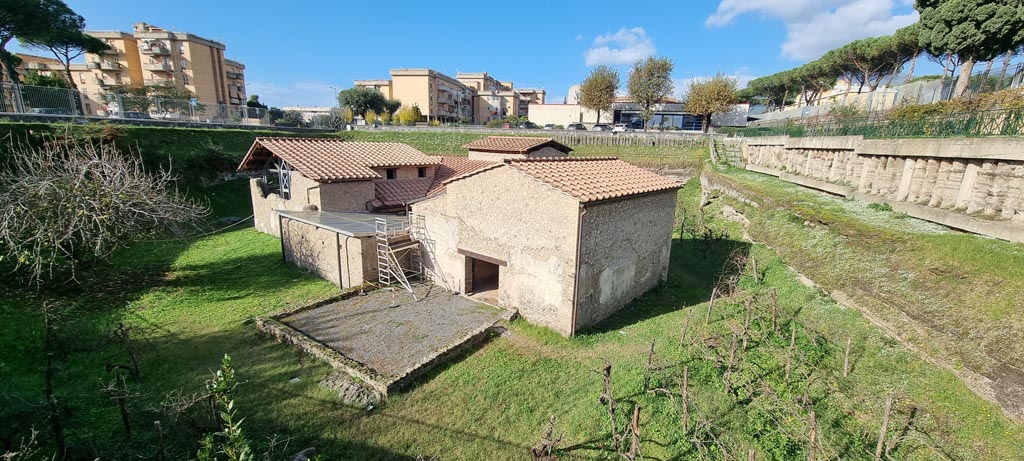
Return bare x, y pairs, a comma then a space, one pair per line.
972, 184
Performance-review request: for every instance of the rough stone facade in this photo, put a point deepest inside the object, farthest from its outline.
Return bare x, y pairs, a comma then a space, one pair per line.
344, 260
499, 156
973, 184
532, 228
524, 223
624, 252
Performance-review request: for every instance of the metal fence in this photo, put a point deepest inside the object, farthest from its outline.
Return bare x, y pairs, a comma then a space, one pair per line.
958, 124
37, 100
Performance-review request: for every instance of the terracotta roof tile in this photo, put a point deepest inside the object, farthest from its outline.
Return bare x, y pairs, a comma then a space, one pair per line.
331, 159
595, 178
514, 144
398, 192
451, 167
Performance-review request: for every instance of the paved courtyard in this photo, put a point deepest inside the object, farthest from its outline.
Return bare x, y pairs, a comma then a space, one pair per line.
395, 341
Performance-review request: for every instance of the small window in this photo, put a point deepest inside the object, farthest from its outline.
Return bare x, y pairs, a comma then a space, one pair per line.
421, 172
391, 173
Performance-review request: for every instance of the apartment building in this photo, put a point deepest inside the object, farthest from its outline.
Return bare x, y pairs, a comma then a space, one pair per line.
151, 55
476, 97
31, 63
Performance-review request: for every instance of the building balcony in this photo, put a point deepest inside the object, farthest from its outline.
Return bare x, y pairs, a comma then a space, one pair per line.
92, 65
235, 75
155, 50
103, 82
159, 67
106, 65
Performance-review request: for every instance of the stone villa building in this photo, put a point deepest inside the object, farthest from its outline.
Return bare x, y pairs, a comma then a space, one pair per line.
565, 241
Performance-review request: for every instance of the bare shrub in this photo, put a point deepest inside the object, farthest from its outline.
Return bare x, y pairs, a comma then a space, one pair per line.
67, 203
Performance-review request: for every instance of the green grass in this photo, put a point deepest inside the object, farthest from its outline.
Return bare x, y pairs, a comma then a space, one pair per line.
188, 303
450, 143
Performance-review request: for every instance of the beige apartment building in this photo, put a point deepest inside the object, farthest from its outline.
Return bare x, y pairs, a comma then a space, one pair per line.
476, 97
151, 55
31, 63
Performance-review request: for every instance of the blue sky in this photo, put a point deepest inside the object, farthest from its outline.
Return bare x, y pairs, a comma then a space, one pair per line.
295, 51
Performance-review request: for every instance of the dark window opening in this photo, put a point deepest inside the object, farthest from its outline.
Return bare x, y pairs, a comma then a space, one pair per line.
391, 173
422, 172
277, 179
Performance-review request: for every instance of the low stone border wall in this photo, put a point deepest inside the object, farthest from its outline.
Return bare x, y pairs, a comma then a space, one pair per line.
971, 184
385, 385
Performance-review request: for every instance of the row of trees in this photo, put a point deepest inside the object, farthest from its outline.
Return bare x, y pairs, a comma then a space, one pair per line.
649, 83
950, 32
44, 25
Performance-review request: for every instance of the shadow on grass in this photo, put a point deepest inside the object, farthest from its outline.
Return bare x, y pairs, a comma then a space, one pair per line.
695, 266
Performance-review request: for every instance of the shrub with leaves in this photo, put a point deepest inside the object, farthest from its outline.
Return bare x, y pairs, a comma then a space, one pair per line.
230, 443
66, 203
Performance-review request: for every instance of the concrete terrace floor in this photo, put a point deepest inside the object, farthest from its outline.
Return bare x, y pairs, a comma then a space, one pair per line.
394, 341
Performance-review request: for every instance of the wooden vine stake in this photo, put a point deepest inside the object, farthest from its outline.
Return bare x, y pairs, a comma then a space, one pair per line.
634, 446
650, 365
746, 326
885, 427
775, 308
685, 392
711, 304
686, 326
750, 455
757, 276
789, 355
728, 368
814, 437
846, 358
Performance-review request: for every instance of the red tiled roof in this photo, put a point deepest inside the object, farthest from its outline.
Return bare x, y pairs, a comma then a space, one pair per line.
331, 159
398, 192
595, 178
451, 167
514, 144
587, 179
402, 191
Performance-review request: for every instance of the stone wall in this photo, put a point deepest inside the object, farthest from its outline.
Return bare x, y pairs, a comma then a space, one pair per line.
339, 196
341, 259
973, 184
525, 223
624, 252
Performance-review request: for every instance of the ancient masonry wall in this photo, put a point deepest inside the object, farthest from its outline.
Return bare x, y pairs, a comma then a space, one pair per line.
529, 225
624, 252
973, 184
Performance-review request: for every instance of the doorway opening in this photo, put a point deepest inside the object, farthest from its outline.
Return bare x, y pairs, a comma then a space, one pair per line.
483, 280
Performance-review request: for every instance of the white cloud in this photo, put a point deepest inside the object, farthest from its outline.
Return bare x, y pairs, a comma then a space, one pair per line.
816, 26
623, 47
306, 93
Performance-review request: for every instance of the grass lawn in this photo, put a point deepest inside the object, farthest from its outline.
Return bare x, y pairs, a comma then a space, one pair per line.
956, 296
450, 143
189, 303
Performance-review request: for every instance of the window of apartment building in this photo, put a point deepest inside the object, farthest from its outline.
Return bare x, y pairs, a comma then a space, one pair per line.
183, 63
184, 79
421, 172
391, 173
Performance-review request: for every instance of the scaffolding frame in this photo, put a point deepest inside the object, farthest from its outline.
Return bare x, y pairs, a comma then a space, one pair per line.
396, 240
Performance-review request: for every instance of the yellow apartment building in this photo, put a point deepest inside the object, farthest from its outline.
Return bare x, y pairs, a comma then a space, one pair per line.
151, 55
474, 97
38, 64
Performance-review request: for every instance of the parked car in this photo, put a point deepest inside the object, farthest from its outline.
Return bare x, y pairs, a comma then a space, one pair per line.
528, 126
549, 126
621, 128
506, 126
576, 127
50, 111
132, 115
600, 127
